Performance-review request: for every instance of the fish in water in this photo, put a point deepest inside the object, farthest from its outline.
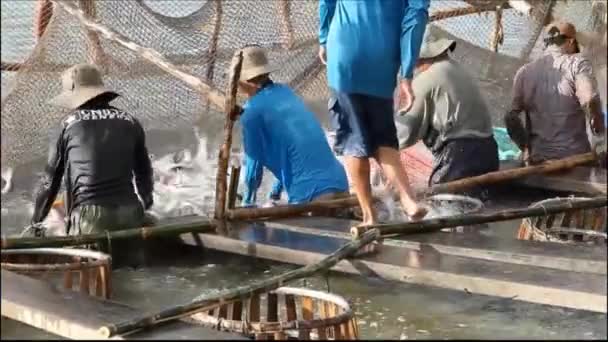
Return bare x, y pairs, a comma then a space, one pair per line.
7, 180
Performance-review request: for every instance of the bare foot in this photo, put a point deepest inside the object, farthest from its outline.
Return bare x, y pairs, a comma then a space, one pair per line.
418, 214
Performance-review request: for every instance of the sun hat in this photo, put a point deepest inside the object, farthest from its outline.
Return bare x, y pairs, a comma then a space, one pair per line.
80, 83
255, 63
433, 46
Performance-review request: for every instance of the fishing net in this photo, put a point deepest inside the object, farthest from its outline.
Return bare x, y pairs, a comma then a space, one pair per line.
199, 37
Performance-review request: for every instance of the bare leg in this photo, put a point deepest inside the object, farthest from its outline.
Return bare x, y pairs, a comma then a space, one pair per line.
358, 170
391, 164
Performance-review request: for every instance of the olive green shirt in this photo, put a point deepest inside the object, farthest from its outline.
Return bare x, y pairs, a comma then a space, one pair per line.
448, 105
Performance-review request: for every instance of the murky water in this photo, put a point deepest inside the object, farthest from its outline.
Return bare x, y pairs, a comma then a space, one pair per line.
384, 310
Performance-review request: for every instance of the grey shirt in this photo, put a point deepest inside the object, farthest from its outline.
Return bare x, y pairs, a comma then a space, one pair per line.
551, 90
448, 105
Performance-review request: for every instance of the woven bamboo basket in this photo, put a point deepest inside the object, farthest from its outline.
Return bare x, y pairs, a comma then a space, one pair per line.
587, 226
76, 269
285, 314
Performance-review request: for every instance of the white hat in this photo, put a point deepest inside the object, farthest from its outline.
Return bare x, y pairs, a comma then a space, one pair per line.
80, 83
433, 46
255, 63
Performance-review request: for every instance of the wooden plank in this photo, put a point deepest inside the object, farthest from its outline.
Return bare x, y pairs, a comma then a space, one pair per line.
589, 259
586, 180
575, 290
73, 315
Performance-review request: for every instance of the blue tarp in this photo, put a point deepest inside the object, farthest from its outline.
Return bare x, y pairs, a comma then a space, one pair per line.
507, 150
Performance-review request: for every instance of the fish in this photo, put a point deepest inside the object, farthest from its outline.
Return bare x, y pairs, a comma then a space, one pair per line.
7, 180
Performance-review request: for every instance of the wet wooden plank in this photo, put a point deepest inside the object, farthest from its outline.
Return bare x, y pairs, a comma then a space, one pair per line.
72, 315
585, 291
587, 180
591, 259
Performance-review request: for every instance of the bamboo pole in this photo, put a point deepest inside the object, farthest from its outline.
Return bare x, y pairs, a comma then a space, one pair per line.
199, 225
207, 302
432, 225
224, 154
284, 211
506, 175
454, 186
233, 186
284, 11
151, 55
42, 16
95, 52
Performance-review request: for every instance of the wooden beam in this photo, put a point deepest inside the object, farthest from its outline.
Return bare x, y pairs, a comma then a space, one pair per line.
574, 290
72, 315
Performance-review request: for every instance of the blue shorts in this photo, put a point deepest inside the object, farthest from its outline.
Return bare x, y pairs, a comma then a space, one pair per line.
362, 124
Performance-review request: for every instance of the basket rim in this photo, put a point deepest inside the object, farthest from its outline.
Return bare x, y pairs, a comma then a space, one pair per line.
100, 259
87, 253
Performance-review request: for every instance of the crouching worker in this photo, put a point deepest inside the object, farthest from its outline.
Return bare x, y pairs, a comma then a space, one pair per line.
281, 134
100, 149
449, 115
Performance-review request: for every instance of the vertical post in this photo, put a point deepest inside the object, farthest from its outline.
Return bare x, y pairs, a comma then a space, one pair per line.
224, 154
42, 17
235, 173
95, 52
497, 37
286, 26
211, 57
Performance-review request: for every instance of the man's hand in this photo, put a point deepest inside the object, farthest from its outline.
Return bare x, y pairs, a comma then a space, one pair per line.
406, 96
525, 156
323, 54
599, 148
236, 112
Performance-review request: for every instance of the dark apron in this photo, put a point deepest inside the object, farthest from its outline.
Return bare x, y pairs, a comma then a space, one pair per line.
461, 158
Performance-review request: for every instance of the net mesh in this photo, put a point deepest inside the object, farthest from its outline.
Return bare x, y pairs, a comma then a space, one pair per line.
201, 36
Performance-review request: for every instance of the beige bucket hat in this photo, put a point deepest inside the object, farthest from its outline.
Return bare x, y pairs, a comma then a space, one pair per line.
255, 63
433, 46
80, 83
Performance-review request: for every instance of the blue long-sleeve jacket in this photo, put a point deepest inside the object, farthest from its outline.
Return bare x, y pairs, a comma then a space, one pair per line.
282, 135
367, 41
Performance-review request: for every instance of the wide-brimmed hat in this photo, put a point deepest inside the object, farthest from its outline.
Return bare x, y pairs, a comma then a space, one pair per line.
80, 83
433, 46
255, 63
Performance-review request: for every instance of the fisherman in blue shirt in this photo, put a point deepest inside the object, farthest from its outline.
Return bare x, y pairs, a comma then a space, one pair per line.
364, 43
283, 135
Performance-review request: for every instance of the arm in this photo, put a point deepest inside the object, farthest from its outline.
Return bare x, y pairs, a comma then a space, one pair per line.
254, 172
142, 170
51, 181
326, 13
252, 148
414, 125
515, 128
588, 97
277, 189
413, 25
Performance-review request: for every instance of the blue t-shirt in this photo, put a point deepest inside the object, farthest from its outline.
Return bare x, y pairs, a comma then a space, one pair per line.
281, 134
368, 41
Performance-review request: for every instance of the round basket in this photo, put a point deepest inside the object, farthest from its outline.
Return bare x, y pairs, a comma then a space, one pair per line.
445, 205
286, 313
585, 225
75, 269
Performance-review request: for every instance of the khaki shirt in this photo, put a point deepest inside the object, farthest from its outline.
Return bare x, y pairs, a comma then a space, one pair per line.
551, 90
448, 105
